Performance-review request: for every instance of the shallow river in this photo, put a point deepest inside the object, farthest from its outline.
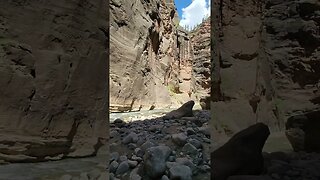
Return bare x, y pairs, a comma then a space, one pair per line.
52, 170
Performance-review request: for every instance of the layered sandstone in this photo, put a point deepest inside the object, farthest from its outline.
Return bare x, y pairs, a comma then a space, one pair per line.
265, 62
150, 56
201, 64
52, 79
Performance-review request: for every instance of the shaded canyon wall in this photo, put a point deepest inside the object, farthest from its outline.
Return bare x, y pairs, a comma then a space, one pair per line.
150, 57
265, 62
52, 79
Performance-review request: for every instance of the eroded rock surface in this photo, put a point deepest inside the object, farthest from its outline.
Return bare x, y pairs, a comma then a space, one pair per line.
201, 65
52, 79
265, 62
152, 58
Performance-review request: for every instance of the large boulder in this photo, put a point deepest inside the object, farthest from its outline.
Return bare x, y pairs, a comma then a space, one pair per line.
242, 154
182, 172
303, 131
184, 111
155, 161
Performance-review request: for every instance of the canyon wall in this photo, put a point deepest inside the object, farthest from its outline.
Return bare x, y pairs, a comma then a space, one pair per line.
148, 52
265, 62
201, 62
155, 63
53, 80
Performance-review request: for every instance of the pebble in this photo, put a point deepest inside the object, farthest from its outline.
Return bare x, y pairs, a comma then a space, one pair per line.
171, 164
113, 166
187, 162
155, 160
135, 158
114, 156
134, 175
123, 158
138, 152
179, 139
132, 164
171, 158
196, 143
148, 144
114, 134
190, 131
164, 177
123, 167
181, 172
155, 128
190, 149
132, 146
130, 138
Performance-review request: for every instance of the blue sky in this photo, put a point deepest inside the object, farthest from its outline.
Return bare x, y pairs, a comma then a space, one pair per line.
191, 12
181, 4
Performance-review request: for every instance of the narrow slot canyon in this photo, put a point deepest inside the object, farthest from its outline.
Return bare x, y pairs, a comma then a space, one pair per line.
159, 93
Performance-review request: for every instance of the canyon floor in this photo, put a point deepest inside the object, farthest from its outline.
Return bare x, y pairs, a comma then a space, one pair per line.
161, 147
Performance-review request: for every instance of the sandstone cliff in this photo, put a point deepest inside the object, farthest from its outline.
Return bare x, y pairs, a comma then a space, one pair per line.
201, 64
150, 56
265, 62
52, 79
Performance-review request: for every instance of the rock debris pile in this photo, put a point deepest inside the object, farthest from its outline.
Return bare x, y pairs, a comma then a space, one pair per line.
169, 147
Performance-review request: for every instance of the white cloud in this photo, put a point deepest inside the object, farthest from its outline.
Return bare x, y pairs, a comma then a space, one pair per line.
193, 14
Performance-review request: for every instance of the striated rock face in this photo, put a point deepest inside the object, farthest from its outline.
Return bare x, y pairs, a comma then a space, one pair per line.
265, 62
144, 51
52, 79
151, 57
201, 66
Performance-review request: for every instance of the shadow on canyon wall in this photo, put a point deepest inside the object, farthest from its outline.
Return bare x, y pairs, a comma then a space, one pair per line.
265, 60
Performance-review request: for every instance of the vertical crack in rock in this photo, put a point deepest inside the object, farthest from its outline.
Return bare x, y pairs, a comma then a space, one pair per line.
216, 94
279, 42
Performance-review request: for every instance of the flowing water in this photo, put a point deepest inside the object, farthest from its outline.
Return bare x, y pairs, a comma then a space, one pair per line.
53, 170
143, 114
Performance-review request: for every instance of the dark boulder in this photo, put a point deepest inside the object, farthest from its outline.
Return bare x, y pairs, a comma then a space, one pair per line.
184, 111
242, 154
303, 132
119, 123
